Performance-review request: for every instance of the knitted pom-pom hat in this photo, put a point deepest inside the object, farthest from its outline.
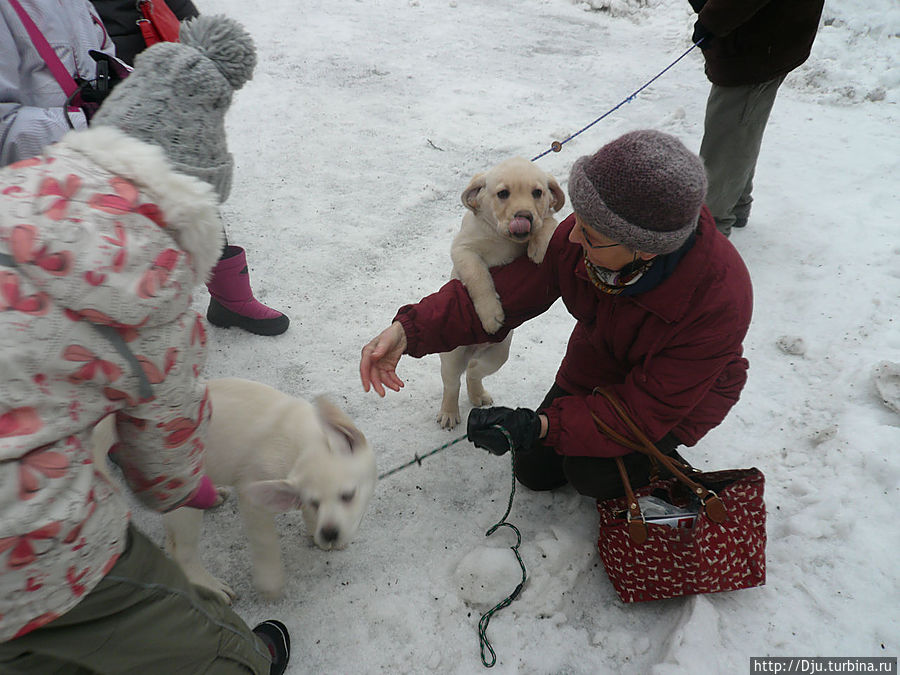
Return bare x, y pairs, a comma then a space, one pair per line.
643, 190
179, 92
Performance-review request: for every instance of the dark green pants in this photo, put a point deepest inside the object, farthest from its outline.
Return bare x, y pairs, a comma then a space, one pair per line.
736, 118
145, 618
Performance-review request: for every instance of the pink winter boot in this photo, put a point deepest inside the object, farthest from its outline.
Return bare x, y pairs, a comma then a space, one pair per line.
231, 301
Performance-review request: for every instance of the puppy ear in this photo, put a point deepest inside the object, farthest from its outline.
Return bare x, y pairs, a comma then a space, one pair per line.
470, 194
277, 496
338, 420
559, 197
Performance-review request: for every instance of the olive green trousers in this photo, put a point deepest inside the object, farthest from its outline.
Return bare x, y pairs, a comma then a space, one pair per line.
144, 618
736, 118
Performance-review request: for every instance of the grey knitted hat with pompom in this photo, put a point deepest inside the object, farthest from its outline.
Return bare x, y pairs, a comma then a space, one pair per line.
179, 92
643, 190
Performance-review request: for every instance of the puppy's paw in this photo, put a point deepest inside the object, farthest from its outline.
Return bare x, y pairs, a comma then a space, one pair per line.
222, 494
268, 572
537, 248
200, 577
491, 314
448, 419
270, 586
223, 591
480, 397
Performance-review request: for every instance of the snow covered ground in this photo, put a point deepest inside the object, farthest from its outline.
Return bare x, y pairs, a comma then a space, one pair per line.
365, 121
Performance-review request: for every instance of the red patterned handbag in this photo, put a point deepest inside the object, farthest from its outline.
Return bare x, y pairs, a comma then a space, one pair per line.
724, 549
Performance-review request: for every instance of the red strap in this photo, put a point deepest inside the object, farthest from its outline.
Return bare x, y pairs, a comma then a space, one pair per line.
59, 71
159, 23
151, 37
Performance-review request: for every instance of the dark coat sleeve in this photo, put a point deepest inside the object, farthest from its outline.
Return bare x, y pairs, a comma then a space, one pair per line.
758, 40
447, 319
723, 16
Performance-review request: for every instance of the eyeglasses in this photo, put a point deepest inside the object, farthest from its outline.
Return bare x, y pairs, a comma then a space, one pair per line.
587, 240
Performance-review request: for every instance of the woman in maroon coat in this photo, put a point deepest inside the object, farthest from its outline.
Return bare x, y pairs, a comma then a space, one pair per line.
662, 302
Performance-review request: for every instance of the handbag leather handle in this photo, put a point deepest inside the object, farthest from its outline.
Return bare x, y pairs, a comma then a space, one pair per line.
710, 501
637, 526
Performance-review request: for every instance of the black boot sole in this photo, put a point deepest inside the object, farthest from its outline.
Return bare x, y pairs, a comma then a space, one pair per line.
222, 317
274, 632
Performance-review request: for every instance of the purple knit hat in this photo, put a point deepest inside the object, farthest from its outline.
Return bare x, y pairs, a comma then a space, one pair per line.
643, 190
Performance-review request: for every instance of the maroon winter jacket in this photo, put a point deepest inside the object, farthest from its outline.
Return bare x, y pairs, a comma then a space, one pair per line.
672, 355
758, 40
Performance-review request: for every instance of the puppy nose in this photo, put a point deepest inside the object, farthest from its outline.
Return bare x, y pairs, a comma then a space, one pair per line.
330, 534
525, 214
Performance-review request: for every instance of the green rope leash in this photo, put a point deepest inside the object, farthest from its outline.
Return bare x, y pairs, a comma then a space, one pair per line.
485, 644
486, 617
418, 460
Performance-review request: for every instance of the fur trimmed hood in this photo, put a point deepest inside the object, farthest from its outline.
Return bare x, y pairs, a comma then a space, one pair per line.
189, 206
104, 226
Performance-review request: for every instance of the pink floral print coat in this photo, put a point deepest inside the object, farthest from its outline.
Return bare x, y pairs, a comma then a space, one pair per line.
101, 245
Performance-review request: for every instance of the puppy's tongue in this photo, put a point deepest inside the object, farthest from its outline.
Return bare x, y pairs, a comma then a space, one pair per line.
520, 226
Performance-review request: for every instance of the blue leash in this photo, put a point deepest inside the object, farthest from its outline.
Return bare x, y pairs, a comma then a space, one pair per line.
556, 146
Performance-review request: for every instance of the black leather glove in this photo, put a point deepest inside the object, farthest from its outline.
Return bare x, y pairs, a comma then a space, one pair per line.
697, 5
522, 425
702, 32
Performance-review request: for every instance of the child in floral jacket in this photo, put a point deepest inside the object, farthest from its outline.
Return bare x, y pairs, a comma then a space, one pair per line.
102, 240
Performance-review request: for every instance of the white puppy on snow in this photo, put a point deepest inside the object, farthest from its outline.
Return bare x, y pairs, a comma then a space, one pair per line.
279, 453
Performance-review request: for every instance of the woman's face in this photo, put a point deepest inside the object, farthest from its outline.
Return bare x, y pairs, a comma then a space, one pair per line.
603, 251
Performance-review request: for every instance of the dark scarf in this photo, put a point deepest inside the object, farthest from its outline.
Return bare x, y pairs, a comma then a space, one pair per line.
638, 276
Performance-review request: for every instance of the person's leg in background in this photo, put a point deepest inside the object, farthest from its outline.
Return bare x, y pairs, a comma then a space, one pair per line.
146, 617
736, 119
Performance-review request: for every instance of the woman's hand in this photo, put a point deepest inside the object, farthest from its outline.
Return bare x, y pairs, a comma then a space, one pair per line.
378, 363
